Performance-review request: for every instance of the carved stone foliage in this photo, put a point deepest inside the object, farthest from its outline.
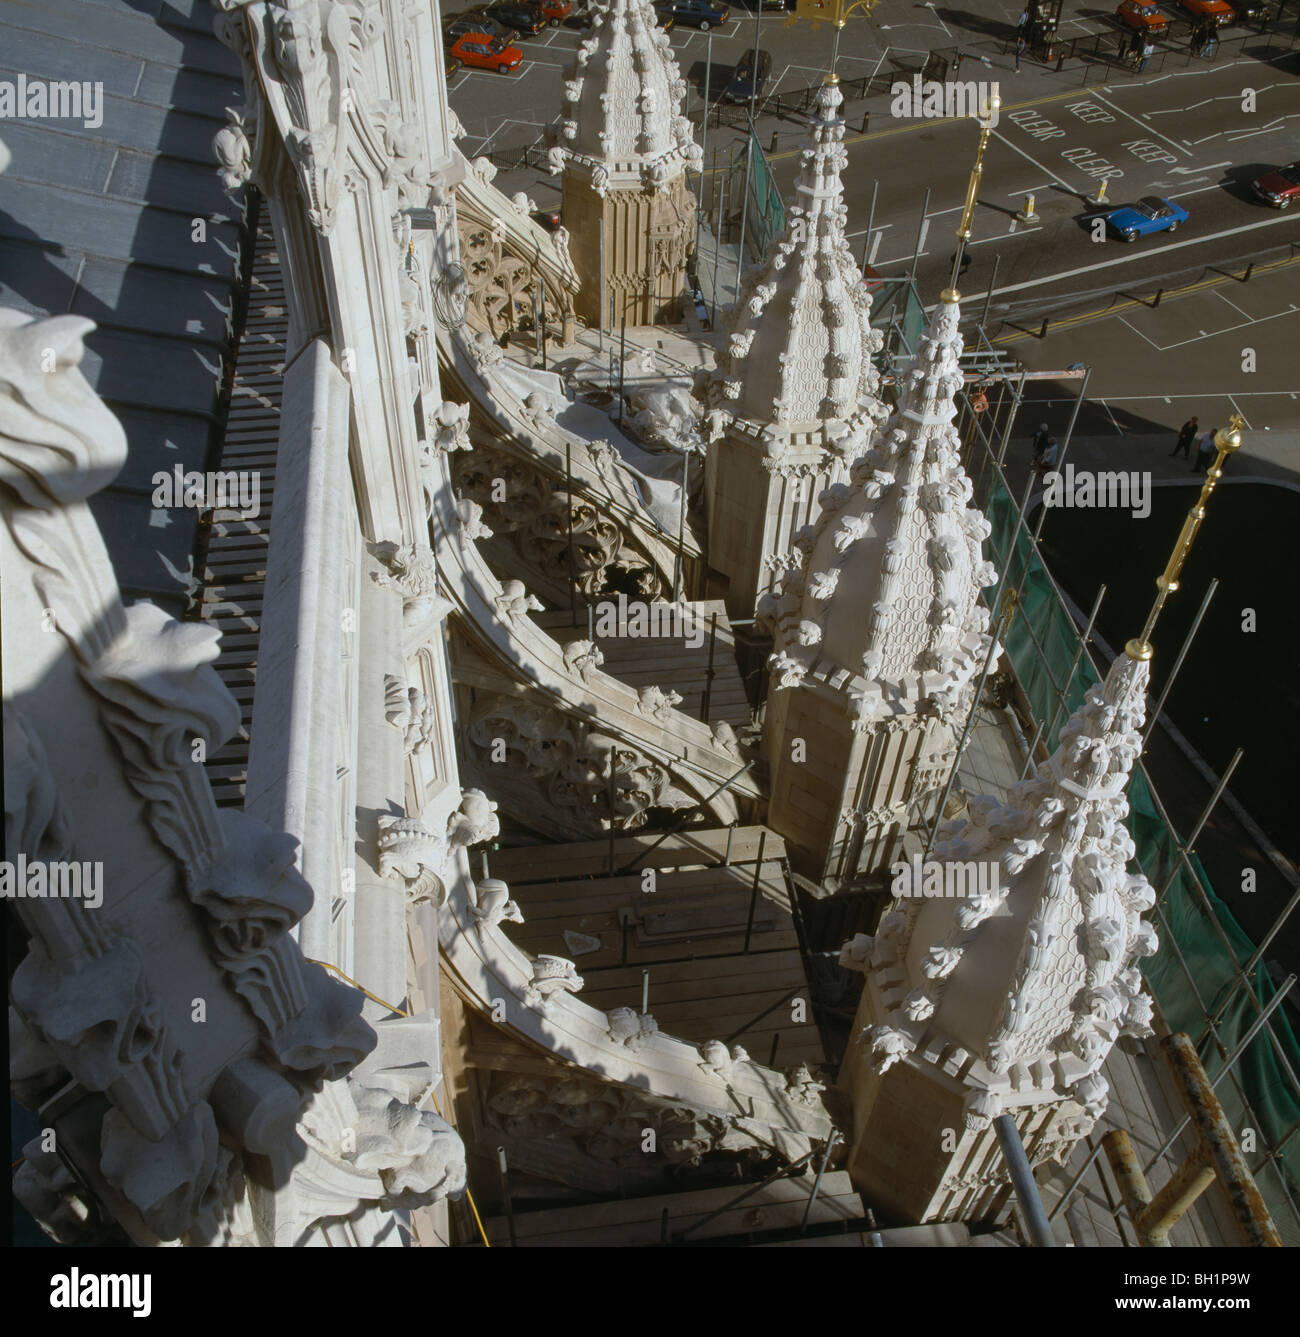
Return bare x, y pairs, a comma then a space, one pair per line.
567, 764
309, 75
89, 1005
1061, 980
538, 524
611, 1123
505, 287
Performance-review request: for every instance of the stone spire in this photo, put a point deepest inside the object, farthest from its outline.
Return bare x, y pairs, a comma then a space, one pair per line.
624, 146
888, 586
879, 621
1034, 975
622, 117
798, 359
1008, 969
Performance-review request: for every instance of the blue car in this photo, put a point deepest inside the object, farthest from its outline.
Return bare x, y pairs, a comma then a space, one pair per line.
1149, 214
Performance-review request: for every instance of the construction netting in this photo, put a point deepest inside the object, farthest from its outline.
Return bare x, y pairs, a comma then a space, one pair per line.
763, 211
1197, 977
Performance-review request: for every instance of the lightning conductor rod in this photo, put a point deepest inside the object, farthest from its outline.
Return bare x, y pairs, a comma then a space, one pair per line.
986, 119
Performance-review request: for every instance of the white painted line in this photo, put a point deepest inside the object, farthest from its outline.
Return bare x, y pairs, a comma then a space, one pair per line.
875, 246
1106, 102
1060, 180
1111, 416
1227, 329
1232, 304
1237, 406
1140, 335
1137, 255
1210, 167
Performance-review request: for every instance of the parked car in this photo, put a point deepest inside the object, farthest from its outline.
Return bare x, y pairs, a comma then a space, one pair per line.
749, 76
701, 14
1149, 214
1143, 16
473, 21
524, 19
553, 11
486, 53
1280, 187
1217, 12
580, 19
550, 219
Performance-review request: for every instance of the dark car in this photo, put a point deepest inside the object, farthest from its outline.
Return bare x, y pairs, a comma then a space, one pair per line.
524, 19
699, 14
473, 21
1280, 187
749, 77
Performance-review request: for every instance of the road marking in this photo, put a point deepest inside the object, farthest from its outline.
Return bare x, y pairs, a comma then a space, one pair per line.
1060, 180
1237, 406
1140, 335
875, 245
1212, 167
1137, 255
1231, 303
1149, 129
1104, 313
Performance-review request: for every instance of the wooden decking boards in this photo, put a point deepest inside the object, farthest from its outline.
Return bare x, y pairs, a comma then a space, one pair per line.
233, 572
674, 663
689, 933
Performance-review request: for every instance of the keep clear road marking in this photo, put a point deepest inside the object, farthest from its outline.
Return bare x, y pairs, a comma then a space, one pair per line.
1106, 102
1137, 255
1060, 180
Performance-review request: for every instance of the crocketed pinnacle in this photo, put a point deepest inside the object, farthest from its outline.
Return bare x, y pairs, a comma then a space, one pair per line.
800, 338
622, 118
1034, 972
888, 587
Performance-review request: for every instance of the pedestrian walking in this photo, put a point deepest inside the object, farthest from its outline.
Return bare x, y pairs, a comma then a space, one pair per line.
1186, 435
1047, 461
1041, 438
1024, 20
1148, 50
1021, 47
1205, 452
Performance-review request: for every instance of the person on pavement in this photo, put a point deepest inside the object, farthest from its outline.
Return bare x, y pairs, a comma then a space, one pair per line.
1186, 435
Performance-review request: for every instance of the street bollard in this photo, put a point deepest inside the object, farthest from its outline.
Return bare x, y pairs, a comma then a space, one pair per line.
1042, 334
1027, 214
776, 134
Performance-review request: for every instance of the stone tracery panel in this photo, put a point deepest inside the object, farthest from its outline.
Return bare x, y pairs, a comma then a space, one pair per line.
537, 524
533, 750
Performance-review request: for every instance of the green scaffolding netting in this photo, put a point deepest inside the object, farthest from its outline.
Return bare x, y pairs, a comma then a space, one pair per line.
1197, 970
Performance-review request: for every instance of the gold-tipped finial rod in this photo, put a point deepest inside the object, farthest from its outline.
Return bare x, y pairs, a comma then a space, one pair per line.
834, 12
1227, 441
988, 115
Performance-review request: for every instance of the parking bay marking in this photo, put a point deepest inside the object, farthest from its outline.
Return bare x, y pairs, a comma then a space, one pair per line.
1126, 259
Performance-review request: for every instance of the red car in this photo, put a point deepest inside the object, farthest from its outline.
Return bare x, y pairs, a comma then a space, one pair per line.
1218, 12
1142, 15
486, 53
1279, 187
554, 11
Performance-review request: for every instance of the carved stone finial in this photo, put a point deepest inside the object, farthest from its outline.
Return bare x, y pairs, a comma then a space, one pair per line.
552, 975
